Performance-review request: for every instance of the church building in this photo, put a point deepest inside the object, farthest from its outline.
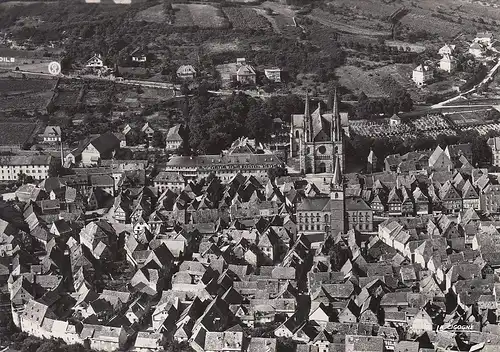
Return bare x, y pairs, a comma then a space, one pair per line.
323, 213
317, 138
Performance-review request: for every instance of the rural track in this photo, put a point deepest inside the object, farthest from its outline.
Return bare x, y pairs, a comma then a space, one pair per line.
346, 28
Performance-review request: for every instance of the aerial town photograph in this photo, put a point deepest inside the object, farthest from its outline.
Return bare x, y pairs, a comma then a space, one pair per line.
249, 175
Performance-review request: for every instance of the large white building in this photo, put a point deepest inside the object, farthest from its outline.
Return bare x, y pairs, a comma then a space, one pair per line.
447, 63
422, 74
36, 166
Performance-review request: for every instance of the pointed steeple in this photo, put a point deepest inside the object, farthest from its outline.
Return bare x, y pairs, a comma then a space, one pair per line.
306, 110
336, 116
335, 103
307, 119
337, 175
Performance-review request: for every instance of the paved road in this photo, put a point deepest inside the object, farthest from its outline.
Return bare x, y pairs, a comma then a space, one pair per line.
148, 84
473, 89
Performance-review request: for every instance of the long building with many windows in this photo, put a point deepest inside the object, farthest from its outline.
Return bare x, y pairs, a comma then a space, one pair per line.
36, 166
243, 157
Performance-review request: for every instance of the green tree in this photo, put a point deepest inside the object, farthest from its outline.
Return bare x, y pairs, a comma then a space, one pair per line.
158, 139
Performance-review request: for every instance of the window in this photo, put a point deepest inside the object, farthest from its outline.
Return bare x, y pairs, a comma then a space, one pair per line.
297, 134
322, 149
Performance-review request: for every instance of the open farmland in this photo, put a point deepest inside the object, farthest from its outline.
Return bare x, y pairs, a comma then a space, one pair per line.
246, 18
30, 102
18, 85
380, 82
203, 16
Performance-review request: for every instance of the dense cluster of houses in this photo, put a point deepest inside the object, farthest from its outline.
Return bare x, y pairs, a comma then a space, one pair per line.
212, 252
111, 262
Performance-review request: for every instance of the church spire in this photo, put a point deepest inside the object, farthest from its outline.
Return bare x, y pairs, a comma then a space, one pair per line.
336, 116
306, 110
337, 175
307, 118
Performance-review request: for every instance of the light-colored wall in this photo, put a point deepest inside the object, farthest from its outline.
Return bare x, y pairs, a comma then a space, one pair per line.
10, 172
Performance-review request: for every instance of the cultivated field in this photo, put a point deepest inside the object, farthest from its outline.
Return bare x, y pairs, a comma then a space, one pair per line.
12, 133
380, 82
246, 18
18, 85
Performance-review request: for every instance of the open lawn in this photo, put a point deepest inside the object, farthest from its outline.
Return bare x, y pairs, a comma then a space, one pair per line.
379, 82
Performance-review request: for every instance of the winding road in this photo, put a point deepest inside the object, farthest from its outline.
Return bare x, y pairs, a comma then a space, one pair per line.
473, 89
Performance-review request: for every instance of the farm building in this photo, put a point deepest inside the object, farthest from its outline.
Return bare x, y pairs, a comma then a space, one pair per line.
422, 74
447, 63
186, 72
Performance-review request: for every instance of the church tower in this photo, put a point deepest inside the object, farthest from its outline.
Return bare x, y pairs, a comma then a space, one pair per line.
337, 200
338, 132
304, 138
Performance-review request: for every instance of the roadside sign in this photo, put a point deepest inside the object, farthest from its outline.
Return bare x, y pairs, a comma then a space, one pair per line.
54, 68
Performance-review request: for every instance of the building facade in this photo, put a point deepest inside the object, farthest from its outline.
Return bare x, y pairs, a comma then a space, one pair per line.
37, 166
317, 139
242, 157
422, 74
